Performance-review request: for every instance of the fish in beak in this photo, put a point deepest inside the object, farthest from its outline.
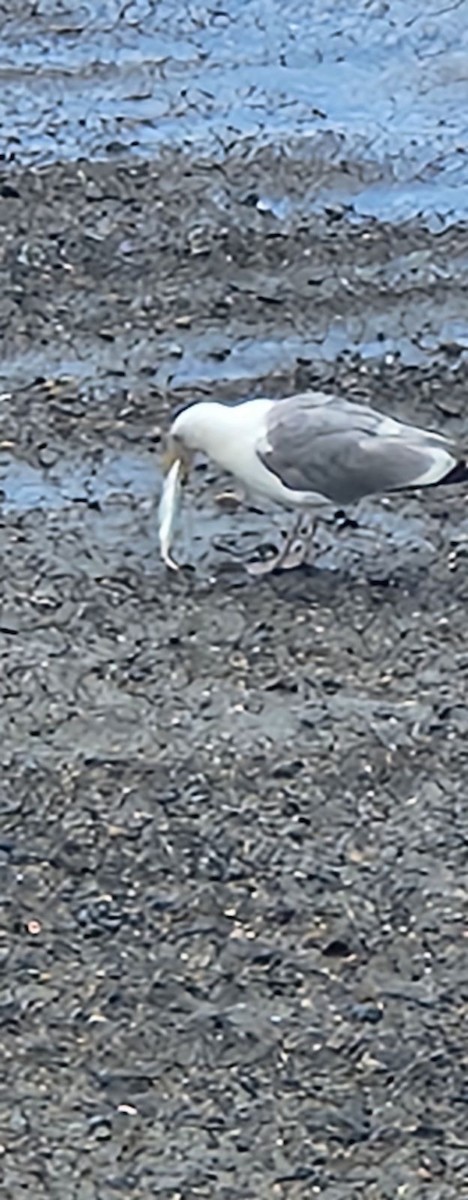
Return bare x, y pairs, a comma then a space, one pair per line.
176, 452
176, 465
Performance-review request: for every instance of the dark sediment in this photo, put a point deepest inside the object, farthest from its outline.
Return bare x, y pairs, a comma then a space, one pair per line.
234, 827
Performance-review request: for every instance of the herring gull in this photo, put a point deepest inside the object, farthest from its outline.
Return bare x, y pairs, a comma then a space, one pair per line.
310, 450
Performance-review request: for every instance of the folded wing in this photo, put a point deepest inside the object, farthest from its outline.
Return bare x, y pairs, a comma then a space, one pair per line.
321, 444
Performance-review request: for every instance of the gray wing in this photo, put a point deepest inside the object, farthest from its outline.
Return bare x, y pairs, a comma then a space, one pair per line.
324, 444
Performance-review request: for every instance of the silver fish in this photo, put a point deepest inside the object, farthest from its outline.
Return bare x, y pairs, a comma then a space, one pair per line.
168, 511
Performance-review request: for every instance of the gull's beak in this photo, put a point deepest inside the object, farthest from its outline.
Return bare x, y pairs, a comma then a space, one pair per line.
174, 451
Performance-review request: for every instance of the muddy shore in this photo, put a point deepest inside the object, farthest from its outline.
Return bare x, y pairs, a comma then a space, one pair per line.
234, 829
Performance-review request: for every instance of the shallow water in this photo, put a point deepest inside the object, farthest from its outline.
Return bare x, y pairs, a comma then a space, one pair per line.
367, 101
360, 113
378, 91
73, 481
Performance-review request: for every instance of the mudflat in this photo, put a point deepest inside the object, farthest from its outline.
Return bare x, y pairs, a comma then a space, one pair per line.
234, 827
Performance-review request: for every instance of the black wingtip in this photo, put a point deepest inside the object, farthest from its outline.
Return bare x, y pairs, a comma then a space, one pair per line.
458, 474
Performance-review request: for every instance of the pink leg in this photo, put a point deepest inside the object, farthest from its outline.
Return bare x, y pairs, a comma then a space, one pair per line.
289, 556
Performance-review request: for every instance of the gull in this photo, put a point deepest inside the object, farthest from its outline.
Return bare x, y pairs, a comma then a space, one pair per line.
309, 450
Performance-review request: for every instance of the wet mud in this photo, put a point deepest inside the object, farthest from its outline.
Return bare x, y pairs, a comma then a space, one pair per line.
233, 846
